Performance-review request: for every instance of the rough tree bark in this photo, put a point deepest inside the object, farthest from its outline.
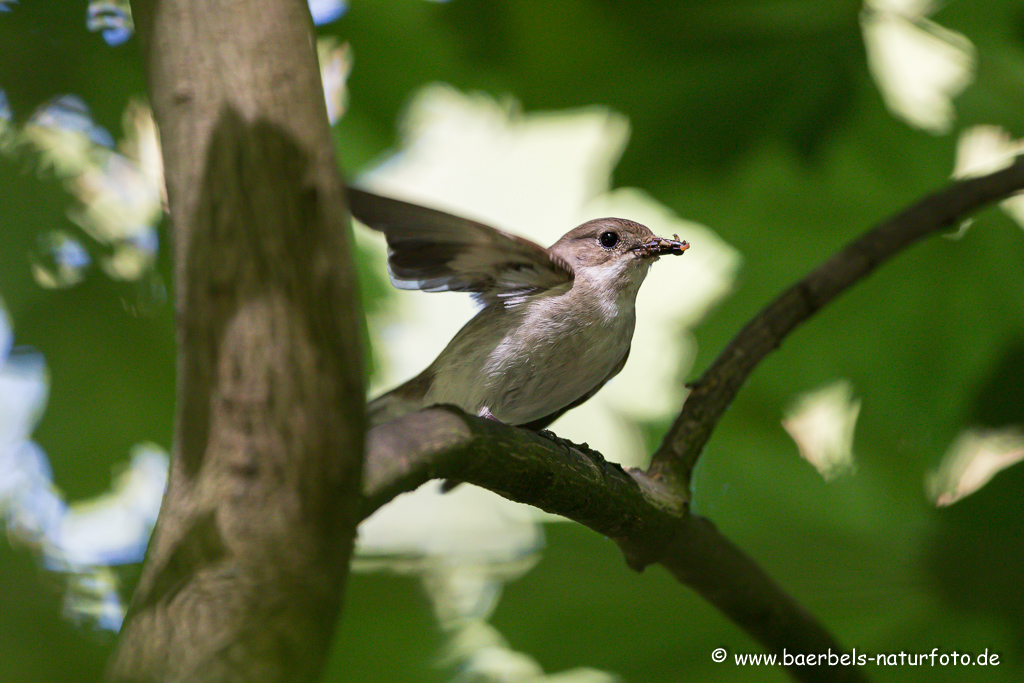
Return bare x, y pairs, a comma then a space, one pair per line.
246, 568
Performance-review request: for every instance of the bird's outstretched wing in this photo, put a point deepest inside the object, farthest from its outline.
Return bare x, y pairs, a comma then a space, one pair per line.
438, 252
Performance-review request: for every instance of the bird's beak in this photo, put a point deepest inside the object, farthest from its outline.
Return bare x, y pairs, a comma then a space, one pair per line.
659, 246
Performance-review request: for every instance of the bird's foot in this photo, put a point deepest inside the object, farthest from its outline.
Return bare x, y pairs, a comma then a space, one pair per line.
485, 413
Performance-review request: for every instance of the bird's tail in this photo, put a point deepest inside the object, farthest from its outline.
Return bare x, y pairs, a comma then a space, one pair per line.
400, 401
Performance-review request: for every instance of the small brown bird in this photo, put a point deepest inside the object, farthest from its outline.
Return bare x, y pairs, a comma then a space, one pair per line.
556, 323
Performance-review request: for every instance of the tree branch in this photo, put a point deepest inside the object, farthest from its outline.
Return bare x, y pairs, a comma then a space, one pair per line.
551, 474
646, 519
712, 394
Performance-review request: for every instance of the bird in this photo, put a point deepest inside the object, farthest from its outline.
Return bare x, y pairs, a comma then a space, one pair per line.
555, 324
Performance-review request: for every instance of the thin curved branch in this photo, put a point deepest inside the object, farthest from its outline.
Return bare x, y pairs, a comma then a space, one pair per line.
648, 521
712, 394
549, 473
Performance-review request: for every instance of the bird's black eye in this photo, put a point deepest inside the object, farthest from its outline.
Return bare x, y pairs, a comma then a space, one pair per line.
609, 239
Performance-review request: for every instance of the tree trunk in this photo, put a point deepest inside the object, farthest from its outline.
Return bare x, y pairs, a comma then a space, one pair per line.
245, 572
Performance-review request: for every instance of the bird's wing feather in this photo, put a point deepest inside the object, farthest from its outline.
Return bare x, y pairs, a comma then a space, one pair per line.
438, 252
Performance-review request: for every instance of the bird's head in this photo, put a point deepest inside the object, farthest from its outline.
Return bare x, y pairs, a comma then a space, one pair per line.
615, 250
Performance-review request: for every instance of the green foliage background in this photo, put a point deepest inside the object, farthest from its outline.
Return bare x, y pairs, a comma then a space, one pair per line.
758, 119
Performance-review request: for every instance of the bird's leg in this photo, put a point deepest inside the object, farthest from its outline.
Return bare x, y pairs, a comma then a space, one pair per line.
485, 413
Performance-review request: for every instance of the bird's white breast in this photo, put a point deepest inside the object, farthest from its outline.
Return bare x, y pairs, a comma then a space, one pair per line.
526, 362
